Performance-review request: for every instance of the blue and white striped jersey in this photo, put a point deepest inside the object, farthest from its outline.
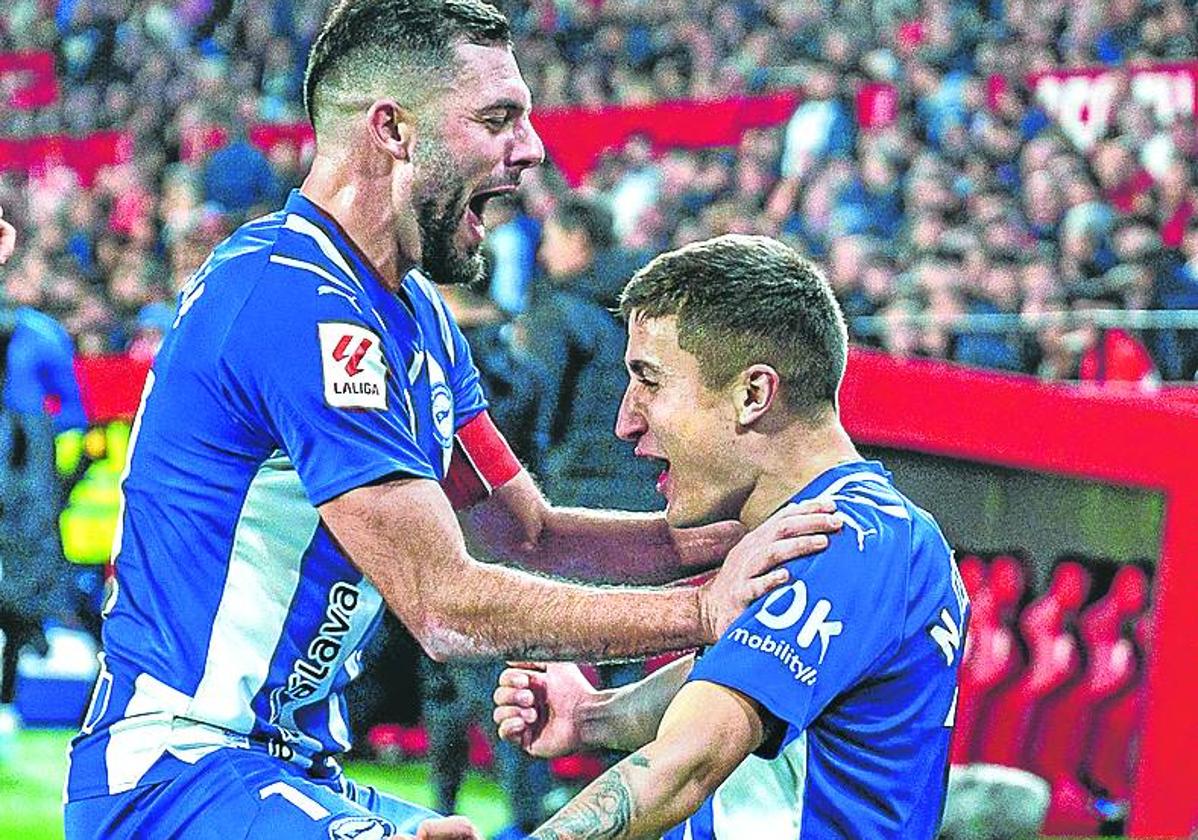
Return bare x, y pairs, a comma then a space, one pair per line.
857, 659
291, 376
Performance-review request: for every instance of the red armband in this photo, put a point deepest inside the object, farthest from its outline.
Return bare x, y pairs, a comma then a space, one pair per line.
481, 461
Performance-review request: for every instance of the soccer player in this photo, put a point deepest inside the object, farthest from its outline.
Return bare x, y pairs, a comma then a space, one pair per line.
309, 425
826, 709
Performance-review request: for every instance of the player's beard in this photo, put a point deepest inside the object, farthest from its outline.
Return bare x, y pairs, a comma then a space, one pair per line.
440, 206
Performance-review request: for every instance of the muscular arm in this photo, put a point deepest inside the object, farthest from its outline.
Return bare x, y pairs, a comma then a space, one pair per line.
706, 732
516, 525
405, 538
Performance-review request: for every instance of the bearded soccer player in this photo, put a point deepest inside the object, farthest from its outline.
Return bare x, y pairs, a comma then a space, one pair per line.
310, 424
827, 708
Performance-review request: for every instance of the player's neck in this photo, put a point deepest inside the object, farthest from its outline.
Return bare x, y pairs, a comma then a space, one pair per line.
360, 202
791, 462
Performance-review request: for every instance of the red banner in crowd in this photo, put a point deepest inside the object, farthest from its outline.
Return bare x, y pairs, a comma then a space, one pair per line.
85, 155
201, 140
27, 80
1083, 100
575, 138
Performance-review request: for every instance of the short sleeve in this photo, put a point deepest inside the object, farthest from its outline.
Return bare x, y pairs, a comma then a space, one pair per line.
797, 648
327, 384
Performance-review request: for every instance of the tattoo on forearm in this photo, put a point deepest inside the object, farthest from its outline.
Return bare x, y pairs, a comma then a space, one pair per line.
601, 812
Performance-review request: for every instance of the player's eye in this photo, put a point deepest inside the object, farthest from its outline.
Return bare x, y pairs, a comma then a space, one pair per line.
497, 122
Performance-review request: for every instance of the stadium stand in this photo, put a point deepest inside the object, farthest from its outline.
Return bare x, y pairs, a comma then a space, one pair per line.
955, 185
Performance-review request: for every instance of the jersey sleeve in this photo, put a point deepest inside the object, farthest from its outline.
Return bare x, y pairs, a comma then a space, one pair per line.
798, 647
319, 375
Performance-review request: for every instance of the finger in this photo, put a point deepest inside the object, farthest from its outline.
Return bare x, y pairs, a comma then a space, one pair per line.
513, 731
501, 713
758, 586
505, 696
821, 505
809, 523
514, 678
789, 549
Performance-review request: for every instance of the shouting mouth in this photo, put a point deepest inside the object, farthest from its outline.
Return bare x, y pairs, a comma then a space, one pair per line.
663, 479
477, 204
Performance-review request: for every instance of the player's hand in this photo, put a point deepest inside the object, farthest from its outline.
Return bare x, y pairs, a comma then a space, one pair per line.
750, 568
447, 828
537, 707
8, 238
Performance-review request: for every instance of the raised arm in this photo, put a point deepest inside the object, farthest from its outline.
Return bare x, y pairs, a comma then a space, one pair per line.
516, 525
706, 732
404, 536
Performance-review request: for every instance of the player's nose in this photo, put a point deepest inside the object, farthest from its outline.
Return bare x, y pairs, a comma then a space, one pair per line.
630, 423
528, 150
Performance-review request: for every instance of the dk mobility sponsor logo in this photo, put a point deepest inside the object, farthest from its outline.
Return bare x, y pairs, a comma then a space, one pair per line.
781, 650
786, 608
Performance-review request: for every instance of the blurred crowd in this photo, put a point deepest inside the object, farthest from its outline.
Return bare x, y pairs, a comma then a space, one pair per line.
972, 200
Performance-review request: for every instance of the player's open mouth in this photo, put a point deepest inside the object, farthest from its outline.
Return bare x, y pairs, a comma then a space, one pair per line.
663, 479
477, 205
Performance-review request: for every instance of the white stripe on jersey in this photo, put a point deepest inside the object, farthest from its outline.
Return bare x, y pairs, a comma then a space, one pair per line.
763, 799
134, 747
434, 297
279, 259
338, 728
832, 491
275, 528
302, 226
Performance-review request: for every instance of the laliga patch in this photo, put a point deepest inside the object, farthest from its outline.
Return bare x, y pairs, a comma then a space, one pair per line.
361, 828
351, 361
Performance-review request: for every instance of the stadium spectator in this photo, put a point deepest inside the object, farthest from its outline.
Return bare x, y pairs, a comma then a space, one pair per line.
569, 331
957, 72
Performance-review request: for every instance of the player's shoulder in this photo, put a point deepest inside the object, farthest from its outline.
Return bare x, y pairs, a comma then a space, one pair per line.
876, 515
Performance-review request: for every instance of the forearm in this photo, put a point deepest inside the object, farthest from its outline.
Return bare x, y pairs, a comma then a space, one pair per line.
627, 718
517, 526
641, 797
482, 610
706, 732
606, 546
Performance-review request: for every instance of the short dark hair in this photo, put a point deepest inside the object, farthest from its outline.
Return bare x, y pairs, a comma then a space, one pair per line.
575, 212
408, 41
743, 300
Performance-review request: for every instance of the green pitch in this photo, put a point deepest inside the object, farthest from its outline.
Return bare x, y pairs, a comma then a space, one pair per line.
31, 788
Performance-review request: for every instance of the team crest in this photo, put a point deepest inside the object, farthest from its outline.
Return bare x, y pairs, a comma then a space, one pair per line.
440, 404
352, 364
361, 828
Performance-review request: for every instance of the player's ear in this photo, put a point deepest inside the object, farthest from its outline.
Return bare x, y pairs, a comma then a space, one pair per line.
755, 391
392, 128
